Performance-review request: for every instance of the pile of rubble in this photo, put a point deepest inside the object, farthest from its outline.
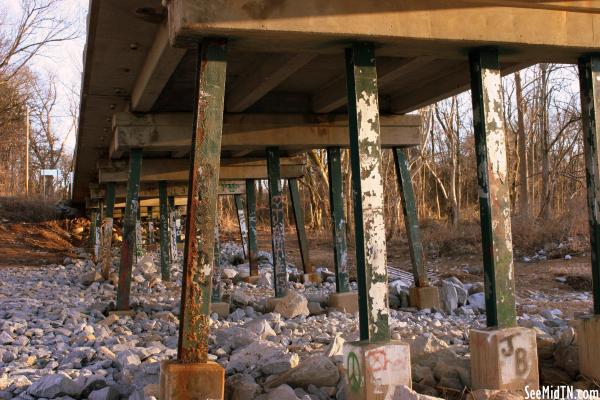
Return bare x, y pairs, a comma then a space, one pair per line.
58, 340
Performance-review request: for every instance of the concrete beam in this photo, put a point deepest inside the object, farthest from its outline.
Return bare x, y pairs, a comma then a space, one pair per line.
151, 189
247, 132
178, 170
518, 25
161, 61
333, 96
252, 86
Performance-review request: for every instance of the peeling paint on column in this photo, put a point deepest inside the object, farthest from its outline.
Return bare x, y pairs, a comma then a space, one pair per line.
129, 221
277, 222
239, 205
367, 185
165, 265
338, 222
589, 81
216, 273
411, 220
194, 320
494, 201
252, 238
107, 226
173, 254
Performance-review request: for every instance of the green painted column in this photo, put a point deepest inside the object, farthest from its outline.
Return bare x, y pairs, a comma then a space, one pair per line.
107, 227
300, 228
589, 81
338, 222
494, 199
172, 231
367, 188
128, 246
217, 272
94, 233
411, 220
277, 222
149, 211
239, 205
165, 264
201, 221
252, 237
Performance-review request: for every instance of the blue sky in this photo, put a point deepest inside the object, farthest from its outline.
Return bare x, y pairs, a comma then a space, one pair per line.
64, 60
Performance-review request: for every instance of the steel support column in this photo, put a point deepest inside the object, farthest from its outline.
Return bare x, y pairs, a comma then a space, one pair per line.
494, 199
107, 225
338, 222
300, 228
194, 318
252, 240
128, 246
277, 222
172, 230
149, 211
367, 184
239, 205
93, 238
589, 81
411, 220
165, 264
217, 273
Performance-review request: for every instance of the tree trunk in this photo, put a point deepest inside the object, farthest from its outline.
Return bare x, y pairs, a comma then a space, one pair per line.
522, 149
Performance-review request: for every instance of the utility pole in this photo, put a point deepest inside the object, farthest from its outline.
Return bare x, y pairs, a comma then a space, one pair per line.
27, 151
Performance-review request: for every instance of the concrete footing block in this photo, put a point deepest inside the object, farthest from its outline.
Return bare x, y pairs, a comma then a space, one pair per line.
191, 381
588, 345
346, 302
220, 308
376, 370
425, 297
253, 279
504, 359
313, 277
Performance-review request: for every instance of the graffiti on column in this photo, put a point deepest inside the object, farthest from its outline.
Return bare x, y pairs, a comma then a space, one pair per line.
277, 216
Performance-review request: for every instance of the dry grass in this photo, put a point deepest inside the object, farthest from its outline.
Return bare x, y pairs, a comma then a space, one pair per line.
21, 209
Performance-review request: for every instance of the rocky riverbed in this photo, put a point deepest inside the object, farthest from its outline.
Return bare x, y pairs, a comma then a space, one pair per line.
58, 340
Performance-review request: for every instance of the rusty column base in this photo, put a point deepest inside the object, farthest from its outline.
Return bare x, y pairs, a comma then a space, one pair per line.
376, 370
588, 343
346, 302
424, 297
191, 381
504, 359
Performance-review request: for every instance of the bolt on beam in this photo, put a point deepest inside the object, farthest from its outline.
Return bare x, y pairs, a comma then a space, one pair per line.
338, 222
494, 199
252, 239
411, 220
165, 265
589, 81
130, 219
367, 183
277, 222
194, 318
300, 228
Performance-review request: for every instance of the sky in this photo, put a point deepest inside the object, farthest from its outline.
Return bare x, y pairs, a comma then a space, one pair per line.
64, 60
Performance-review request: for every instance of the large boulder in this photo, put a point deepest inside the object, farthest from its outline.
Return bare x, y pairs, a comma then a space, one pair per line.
255, 355
292, 305
317, 370
51, 386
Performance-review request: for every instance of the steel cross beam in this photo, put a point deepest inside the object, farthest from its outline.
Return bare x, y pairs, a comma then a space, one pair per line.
411, 220
129, 230
194, 319
300, 228
367, 184
589, 81
494, 199
277, 222
338, 222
